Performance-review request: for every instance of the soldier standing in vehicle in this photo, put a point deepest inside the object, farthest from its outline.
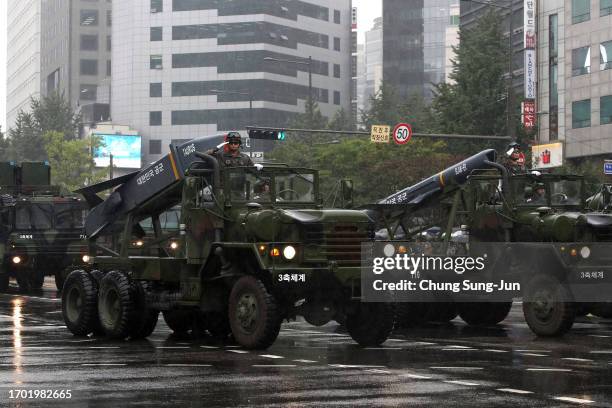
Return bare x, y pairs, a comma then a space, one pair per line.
512, 161
233, 157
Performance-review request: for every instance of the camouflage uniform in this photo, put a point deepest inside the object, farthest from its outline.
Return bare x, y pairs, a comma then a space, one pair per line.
226, 159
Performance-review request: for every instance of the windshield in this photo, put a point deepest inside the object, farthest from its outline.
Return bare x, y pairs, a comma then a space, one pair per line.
285, 187
69, 216
566, 192
34, 216
546, 192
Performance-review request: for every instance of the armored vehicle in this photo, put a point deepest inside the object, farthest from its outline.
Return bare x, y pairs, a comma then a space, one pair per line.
255, 247
536, 228
41, 231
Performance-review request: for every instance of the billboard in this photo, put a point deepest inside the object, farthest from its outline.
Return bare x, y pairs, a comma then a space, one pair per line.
547, 155
126, 151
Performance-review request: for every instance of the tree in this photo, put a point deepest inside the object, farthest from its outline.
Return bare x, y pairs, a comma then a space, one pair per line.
475, 101
384, 108
26, 139
54, 113
5, 147
72, 165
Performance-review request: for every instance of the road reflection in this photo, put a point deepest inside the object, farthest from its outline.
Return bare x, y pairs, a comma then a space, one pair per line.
17, 346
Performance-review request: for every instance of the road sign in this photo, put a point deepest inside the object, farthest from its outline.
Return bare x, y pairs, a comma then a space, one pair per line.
380, 134
402, 133
608, 167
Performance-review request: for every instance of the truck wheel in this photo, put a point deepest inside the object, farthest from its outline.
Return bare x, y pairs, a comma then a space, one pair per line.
371, 323
116, 305
254, 314
484, 313
601, 309
146, 317
548, 307
79, 303
179, 321
4, 282
410, 314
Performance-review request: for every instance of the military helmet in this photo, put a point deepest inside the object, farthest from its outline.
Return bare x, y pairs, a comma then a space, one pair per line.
539, 186
512, 148
234, 137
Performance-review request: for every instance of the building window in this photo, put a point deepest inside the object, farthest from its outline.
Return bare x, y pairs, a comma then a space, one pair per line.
108, 43
88, 93
89, 18
553, 110
581, 61
336, 44
581, 11
155, 90
605, 55
53, 80
157, 6
336, 71
553, 36
581, 114
605, 109
89, 67
109, 18
108, 68
337, 16
156, 62
336, 98
156, 33
154, 146
605, 7
454, 20
89, 42
155, 118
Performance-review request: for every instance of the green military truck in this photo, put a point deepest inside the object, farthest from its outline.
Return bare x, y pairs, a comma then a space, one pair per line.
41, 231
538, 229
256, 247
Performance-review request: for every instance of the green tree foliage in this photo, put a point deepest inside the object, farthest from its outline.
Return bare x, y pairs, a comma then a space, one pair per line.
72, 165
475, 101
53, 113
27, 143
5, 146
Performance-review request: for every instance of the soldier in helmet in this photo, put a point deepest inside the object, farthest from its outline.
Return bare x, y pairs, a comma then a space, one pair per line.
233, 157
512, 161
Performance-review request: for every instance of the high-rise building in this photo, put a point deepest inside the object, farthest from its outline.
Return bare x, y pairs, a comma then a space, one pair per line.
452, 39
23, 56
373, 61
414, 44
187, 68
575, 75
76, 53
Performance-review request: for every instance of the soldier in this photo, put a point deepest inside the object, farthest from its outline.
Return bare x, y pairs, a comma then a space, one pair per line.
512, 160
233, 157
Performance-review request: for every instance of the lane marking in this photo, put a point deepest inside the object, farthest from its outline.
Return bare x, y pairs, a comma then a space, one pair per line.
103, 347
209, 347
576, 359
455, 368
102, 364
461, 382
575, 400
273, 365
514, 391
188, 365
535, 355
459, 349
171, 347
533, 351
601, 352
565, 370
237, 351
356, 366
305, 361
416, 376
496, 351
377, 371
599, 335
270, 356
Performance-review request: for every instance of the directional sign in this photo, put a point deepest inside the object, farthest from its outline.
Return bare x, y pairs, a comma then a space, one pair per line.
608, 167
380, 134
402, 133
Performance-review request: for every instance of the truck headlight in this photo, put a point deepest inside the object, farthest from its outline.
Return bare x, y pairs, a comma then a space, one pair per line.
585, 252
85, 258
16, 260
289, 252
174, 245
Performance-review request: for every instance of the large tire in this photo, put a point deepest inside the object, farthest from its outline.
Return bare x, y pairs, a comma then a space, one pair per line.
4, 281
117, 305
146, 317
254, 314
548, 307
370, 324
79, 303
484, 313
180, 321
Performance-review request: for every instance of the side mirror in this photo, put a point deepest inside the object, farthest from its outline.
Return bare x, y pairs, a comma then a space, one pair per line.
347, 193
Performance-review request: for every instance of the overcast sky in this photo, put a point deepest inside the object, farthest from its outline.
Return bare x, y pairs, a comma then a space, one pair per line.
367, 11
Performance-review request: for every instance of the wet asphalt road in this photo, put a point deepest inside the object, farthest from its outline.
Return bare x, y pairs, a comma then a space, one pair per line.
438, 365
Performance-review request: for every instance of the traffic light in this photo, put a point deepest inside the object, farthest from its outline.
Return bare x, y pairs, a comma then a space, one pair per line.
266, 134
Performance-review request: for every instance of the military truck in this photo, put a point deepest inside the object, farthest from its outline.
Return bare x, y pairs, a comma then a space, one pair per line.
256, 247
41, 230
550, 242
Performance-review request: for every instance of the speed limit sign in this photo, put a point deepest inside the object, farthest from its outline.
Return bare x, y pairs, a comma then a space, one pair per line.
402, 133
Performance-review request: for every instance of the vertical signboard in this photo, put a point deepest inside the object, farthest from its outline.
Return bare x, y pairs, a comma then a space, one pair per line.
529, 114
529, 19
354, 18
530, 66
530, 74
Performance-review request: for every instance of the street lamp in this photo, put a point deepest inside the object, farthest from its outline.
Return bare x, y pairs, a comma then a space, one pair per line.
509, 98
309, 64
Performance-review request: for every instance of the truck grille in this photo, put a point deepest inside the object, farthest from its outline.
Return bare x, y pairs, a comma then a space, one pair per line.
340, 243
